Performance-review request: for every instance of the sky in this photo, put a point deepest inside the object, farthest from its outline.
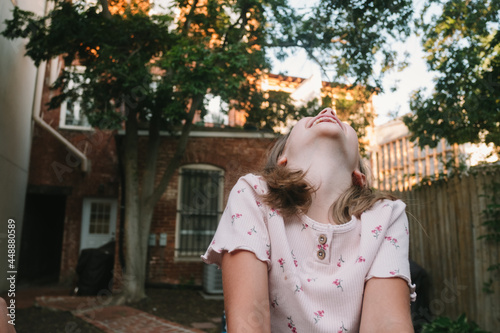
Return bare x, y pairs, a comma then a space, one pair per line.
413, 77
389, 102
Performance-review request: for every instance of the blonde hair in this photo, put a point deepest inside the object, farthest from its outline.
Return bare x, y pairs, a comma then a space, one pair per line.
291, 194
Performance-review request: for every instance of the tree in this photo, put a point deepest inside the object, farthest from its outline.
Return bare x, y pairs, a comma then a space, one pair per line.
146, 70
462, 44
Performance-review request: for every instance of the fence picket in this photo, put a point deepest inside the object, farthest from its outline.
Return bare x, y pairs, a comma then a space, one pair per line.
451, 213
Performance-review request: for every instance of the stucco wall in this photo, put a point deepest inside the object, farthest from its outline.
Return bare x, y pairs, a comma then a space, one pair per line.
17, 87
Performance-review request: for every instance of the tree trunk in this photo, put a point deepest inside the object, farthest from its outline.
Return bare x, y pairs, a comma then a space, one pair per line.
134, 274
140, 206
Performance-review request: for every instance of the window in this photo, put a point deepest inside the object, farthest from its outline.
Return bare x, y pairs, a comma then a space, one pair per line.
98, 222
99, 217
199, 209
72, 116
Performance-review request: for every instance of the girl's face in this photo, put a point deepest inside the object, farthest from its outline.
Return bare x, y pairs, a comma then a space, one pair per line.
311, 132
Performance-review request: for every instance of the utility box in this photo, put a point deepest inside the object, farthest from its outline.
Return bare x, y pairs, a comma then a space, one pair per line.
212, 279
163, 239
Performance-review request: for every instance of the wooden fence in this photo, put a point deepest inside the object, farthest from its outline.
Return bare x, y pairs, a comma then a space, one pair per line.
446, 219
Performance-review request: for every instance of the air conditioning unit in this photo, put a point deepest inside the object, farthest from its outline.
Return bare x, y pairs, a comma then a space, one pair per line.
212, 279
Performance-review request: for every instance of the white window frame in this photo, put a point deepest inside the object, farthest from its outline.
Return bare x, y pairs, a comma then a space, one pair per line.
76, 105
86, 211
195, 256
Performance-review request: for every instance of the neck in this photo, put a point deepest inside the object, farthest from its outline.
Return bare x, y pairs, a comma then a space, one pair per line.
326, 172
329, 185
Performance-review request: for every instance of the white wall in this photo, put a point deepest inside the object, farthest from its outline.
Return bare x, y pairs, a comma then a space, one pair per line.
17, 87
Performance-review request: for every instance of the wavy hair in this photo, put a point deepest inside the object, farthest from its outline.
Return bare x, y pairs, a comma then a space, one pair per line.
291, 194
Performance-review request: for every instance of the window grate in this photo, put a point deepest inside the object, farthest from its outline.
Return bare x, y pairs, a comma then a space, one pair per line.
199, 210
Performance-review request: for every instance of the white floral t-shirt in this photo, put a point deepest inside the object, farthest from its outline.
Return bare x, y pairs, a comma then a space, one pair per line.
316, 271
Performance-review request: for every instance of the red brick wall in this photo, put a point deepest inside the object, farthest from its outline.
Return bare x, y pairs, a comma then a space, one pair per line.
53, 166
236, 156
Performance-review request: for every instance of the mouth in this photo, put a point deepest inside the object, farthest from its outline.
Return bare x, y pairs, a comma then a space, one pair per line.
326, 119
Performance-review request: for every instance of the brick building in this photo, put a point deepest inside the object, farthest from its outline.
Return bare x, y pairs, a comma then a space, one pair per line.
74, 189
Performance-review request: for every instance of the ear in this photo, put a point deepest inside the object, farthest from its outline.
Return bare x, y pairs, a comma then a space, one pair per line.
358, 178
282, 161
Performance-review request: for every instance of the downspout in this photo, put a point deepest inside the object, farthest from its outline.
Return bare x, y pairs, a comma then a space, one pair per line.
37, 102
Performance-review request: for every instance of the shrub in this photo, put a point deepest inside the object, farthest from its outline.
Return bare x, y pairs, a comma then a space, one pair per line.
447, 325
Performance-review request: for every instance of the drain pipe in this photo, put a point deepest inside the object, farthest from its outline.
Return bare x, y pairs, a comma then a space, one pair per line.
37, 102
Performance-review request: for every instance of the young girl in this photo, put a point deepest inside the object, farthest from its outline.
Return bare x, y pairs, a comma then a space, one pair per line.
307, 246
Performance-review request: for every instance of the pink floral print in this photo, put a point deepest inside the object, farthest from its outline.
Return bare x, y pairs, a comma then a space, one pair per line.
318, 315
235, 217
322, 246
281, 261
274, 303
393, 241
295, 262
338, 283
376, 232
291, 325
248, 212
273, 213
360, 259
340, 261
342, 329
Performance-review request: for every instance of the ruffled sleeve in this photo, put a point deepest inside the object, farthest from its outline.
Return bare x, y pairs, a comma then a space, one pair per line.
243, 225
392, 232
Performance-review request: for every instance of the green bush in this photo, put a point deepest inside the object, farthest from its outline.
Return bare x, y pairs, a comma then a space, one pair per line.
446, 325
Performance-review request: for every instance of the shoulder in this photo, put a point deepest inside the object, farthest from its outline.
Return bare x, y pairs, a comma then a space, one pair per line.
252, 183
397, 206
384, 212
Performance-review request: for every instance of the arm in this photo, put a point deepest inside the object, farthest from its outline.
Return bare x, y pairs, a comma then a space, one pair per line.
386, 306
246, 299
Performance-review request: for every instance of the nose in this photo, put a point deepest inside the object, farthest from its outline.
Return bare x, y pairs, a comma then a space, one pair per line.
328, 110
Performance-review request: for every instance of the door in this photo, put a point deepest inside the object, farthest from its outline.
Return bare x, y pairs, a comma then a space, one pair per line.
98, 222
41, 240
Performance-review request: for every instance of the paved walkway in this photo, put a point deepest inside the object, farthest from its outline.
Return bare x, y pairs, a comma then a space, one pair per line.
110, 319
114, 319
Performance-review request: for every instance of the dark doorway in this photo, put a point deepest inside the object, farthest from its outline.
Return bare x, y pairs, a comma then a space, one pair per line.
41, 240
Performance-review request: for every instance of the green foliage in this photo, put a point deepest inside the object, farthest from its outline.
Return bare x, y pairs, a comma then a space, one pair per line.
272, 109
345, 36
462, 45
492, 221
143, 64
492, 213
213, 48
353, 107
447, 325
